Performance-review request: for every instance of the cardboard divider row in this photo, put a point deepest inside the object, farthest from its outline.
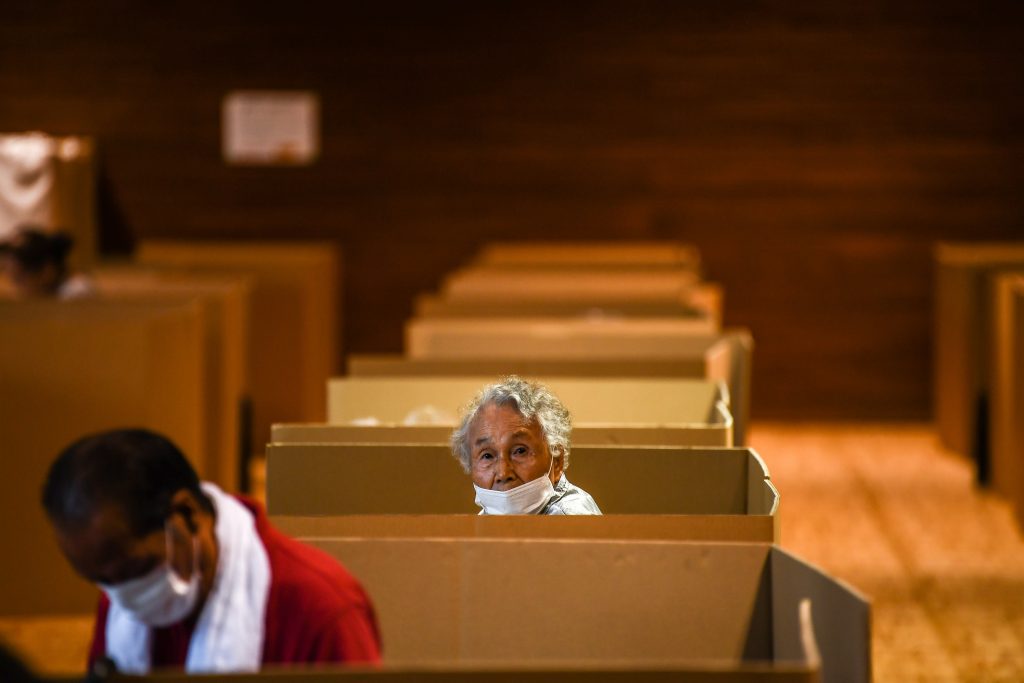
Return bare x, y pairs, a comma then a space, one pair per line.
224, 303
630, 254
727, 356
74, 369
702, 302
965, 275
360, 479
604, 410
600, 610
1007, 382
293, 330
482, 283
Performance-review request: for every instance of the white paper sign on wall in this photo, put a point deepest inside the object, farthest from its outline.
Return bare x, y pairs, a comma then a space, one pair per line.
270, 127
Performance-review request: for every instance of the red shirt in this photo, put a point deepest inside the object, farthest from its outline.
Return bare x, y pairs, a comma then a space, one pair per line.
316, 611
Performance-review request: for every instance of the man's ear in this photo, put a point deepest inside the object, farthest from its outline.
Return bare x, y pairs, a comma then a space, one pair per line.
184, 503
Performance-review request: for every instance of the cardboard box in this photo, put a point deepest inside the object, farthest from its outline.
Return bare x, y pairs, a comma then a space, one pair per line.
358, 479
624, 611
727, 356
548, 338
604, 410
1007, 382
588, 254
224, 302
497, 285
293, 324
963, 323
72, 370
704, 301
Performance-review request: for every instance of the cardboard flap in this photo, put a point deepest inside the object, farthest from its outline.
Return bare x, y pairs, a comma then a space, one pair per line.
841, 617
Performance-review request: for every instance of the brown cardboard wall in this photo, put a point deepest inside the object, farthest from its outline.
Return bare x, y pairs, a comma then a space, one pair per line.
326, 479
293, 324
602, 401
69, 371
627, 601
225, 303
1007, 382
546, 338
963, 328
639, 255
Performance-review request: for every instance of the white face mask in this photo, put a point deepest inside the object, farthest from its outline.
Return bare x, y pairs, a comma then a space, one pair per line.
159, 597
527, 499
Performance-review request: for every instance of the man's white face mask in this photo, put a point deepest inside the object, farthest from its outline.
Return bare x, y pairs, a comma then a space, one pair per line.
159, 597
527, 499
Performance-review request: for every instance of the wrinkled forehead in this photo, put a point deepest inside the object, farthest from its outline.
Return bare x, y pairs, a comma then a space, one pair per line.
494, 422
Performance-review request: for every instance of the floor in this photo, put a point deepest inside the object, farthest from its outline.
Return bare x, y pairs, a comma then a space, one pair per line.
880, 506
886, 509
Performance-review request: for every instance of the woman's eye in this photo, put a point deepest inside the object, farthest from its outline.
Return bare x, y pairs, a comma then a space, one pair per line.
519, 450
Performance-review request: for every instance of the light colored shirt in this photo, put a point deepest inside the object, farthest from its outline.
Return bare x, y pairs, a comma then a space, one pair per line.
570, 500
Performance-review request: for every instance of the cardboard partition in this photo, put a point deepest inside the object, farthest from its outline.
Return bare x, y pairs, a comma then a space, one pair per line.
497, 285
358, 479
293, 325
703, 302
681, 412
634, 605
72, 369
1007, 382
727, 356
645, 255
963, 324
224, 302
681, 672
548, 337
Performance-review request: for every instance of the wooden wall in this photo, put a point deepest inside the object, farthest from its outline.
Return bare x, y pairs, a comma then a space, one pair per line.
814, 151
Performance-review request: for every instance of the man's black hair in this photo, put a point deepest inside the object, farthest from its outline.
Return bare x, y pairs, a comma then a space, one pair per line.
136, 469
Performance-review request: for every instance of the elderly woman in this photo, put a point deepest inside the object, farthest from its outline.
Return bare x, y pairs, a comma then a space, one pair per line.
514, 444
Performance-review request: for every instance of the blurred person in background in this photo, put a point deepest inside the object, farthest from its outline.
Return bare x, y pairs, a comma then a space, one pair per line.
36, 263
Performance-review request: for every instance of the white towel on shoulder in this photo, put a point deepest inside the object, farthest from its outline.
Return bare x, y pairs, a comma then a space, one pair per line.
230, 630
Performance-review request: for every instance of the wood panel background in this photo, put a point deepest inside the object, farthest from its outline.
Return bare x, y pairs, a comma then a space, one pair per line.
814, 151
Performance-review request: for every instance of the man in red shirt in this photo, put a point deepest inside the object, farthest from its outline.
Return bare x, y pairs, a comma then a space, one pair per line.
193, 577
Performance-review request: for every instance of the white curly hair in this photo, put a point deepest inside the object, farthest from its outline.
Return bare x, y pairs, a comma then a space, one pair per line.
533, 401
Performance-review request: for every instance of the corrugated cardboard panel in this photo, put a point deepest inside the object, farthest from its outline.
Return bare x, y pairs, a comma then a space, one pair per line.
749, 528
494, 600
548, 338
511, 672
1007, 381
224, 302
727, 357
606, 401
702, 301
489, 284
73, 369
591, 254
841, 618
331, 479
963, 324
293, 325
